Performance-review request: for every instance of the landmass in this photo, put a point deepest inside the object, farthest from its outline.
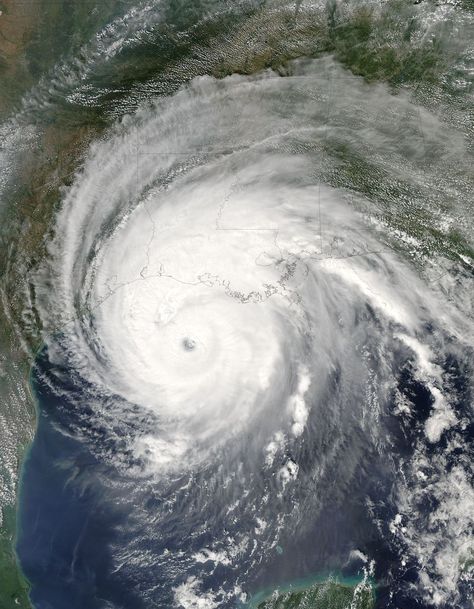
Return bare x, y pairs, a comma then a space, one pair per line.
384, 44
327, 595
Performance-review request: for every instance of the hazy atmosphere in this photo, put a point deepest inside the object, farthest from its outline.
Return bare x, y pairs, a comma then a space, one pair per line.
237, 304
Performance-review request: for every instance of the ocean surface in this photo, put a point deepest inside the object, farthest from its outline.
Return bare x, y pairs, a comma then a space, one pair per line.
241, 233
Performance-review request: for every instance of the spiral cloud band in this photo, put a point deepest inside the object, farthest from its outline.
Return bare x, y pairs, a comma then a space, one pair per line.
211, 284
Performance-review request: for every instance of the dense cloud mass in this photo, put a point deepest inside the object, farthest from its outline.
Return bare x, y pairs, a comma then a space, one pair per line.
236, 279
247, 341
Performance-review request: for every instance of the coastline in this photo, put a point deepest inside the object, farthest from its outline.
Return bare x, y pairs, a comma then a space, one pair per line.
305, 584
62, 151
26, 455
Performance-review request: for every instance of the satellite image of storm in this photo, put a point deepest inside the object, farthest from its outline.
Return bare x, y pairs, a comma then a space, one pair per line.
236, 304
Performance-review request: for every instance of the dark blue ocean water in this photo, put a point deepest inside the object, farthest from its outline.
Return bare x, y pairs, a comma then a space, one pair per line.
75, 511
65, 526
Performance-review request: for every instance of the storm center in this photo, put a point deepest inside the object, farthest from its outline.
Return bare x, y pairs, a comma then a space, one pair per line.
188, 344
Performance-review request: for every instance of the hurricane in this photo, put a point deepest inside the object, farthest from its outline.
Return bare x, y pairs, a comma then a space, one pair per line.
245, 375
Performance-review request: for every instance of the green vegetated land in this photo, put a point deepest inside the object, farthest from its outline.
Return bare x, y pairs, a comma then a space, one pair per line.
328, 595
385, 43
13, 586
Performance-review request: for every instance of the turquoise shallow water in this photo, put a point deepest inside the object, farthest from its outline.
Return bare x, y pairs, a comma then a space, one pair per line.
303, 584
70, 523
77, 512
93, 530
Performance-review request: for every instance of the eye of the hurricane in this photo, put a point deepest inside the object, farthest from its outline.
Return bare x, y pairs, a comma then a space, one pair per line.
189, 344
